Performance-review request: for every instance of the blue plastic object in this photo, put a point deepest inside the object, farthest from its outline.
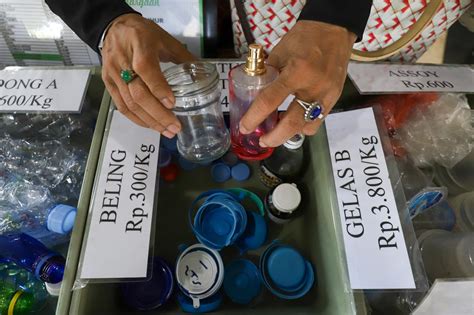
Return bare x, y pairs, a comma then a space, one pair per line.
240, 172
151, 294
255, 233
285, 272
169, 144
207, 305
220, 172
61, 219
33, 256
164, 158
187, 165
219, 221
242, 281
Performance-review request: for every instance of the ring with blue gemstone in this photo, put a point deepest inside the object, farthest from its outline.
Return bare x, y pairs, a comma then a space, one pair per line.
312, 110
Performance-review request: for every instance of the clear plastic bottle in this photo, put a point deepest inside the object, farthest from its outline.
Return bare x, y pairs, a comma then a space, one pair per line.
204, 136
285, 164
25, 207
32, 255
245, 82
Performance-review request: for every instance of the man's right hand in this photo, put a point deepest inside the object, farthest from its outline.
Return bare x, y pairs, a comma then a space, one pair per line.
133, 42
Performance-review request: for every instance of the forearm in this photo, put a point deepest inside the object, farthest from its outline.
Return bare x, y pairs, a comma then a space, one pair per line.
350, 14
89, 18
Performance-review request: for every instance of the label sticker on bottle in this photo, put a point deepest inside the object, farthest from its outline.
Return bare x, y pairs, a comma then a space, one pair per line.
375, 247
117, 243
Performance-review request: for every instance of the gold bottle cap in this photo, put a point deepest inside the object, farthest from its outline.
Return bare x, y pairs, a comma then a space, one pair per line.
255, 64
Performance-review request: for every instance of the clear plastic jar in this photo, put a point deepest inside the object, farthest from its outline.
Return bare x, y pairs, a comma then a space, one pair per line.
204, 136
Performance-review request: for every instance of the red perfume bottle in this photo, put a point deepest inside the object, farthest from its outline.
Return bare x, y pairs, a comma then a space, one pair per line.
245, 82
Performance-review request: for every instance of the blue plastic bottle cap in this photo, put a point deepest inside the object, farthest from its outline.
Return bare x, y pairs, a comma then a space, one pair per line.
61, 219
199, 273
164, 158
220, 172
153, 293
242, 281
206, 305
230, 158
255, 233
187, 165
170, 144
240, 172
285, 272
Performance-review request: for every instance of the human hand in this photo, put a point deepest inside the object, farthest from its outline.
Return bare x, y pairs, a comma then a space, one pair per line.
133, 42
312, 58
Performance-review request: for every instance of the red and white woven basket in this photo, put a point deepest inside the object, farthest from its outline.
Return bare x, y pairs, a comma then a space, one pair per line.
399, 30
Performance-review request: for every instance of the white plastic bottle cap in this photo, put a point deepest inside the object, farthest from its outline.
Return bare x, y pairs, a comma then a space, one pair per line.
286, 197
295, 142
53, 288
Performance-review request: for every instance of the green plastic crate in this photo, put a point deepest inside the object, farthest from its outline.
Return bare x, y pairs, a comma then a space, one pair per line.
316, 234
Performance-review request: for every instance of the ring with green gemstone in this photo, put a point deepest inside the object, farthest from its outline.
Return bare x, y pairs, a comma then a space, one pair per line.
127, 75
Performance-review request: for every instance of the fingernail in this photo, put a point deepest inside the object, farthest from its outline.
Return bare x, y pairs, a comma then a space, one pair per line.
173, 128
167, 103
261, 144
243, 129
167, 134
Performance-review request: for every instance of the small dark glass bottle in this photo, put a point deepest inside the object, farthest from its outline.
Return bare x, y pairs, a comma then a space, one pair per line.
285, 164
282, 203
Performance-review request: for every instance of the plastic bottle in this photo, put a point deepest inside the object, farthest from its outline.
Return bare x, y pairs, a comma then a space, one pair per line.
441, 216
282, 203
26, 207
33, 256
463, 206
20, 290
245, 82
285, 164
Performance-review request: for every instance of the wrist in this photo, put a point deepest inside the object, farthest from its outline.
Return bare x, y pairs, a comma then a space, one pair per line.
330, 29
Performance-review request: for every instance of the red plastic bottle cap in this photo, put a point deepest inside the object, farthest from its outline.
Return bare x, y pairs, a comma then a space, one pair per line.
170, 172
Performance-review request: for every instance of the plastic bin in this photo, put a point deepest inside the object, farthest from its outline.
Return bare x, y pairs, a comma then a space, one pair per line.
316, 233
95, 94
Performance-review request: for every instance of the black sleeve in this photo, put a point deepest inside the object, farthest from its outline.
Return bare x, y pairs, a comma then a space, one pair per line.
89, 18
351, 14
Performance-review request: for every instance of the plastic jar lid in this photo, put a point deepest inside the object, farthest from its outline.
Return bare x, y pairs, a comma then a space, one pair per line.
199, 272
295, 142
207, 305
242, 281
61, 219
286, 197
220, 172
285, 272
153, 293
255, 233
240, 172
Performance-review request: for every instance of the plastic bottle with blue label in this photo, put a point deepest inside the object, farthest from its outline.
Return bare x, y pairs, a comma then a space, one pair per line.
20, 290
32, 255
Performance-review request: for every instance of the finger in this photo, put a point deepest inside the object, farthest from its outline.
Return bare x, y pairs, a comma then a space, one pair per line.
119, 102
150, 104
179, 53
266, 102
147, 66
134, 107
291, 124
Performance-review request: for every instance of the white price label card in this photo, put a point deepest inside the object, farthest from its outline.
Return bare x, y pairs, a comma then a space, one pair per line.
117, 245
448, 297
396, 78
374, 243
34, 90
